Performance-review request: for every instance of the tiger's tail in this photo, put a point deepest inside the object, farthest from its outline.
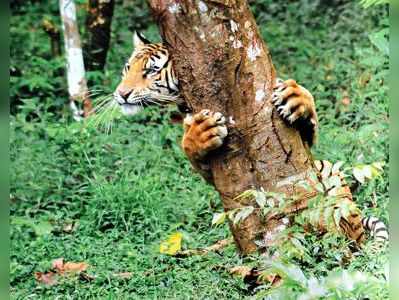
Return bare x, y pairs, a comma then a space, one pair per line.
377, 228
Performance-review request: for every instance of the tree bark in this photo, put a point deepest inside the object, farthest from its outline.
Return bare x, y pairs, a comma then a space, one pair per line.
98, 24
77, 85
223, 65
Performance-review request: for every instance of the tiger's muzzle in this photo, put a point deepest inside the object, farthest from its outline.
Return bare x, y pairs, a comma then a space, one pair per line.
130, 102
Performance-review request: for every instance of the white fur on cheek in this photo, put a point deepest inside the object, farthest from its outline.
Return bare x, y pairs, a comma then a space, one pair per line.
130, 110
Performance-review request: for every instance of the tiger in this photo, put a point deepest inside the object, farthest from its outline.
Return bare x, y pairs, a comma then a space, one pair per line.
148, 78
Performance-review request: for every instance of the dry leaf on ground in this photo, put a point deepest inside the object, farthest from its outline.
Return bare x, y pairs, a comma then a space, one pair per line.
241, 271
59, 268
250, 273
69, 227
346, 101
69, 267
49, 278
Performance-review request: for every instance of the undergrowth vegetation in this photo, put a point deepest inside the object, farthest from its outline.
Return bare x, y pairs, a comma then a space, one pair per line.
111, 199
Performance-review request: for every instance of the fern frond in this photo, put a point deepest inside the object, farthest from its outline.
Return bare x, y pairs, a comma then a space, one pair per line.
369, 3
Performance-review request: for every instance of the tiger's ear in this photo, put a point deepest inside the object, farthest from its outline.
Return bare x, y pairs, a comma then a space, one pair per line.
139, 40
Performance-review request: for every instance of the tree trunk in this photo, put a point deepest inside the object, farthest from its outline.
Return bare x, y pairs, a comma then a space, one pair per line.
77, 85
223, 65
98, 24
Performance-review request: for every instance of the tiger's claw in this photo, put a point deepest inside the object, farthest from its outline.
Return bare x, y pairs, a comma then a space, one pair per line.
296, 105
203, 132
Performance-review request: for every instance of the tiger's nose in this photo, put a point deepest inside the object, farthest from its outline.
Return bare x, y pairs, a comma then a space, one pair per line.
124, 92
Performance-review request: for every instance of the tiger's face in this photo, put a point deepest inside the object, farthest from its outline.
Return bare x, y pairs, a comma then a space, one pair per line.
147, 78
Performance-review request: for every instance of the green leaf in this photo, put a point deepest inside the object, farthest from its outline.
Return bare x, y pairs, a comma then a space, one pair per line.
328, 216
40, 228
367, 171
369, 3
358, 174
305, 185
314, 217
218, 218
230, 214
277, 196
380, 41
337, 217
21, 221
373, 61
363, 172
43, 228
379, 165
270, 202
260, 199
297, 243
345, 208
336, 167
313, 176
291, 272
243, 213
332, 181
245, 194
266, 210
319, 187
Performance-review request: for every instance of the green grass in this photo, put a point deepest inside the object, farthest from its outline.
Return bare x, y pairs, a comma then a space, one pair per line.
127, 191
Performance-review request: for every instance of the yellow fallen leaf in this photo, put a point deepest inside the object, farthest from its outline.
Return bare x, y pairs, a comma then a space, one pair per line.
172, 245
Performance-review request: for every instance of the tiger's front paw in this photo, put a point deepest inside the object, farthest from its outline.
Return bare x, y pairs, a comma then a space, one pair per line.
203, 133
295, 104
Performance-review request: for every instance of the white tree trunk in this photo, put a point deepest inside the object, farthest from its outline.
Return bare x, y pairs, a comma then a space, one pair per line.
77, 85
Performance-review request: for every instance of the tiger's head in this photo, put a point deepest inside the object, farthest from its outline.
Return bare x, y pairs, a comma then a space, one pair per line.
147, 78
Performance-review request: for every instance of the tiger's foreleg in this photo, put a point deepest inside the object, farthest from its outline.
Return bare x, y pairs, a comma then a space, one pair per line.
203, 132
206, 130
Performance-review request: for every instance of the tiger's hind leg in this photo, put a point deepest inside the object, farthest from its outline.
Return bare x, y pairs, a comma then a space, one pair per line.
353, 228
203, 133
335, 186
295, 104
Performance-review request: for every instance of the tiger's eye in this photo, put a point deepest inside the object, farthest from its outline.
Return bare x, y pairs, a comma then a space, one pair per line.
150, 71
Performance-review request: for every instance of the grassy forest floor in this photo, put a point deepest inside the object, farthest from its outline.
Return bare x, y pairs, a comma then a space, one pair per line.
110, 199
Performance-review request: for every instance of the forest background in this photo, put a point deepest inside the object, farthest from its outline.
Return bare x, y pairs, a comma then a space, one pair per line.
110, 199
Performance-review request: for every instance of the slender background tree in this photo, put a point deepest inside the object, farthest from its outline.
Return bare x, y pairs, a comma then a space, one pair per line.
55, 37
77, 85
98, 26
